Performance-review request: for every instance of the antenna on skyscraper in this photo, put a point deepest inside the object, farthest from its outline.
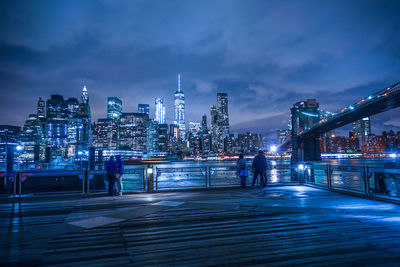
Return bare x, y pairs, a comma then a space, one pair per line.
179, 82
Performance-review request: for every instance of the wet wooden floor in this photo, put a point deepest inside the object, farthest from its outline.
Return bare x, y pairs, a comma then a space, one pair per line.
278, 226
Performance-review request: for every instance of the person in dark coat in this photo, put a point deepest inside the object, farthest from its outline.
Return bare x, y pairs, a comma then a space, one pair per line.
112, 169
260, 168
120, 172
241, 170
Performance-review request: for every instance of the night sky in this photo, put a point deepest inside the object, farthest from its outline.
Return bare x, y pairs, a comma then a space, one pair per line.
266, 55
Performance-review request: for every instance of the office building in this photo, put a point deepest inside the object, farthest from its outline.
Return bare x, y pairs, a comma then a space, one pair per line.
179, 110
160, 110
114, 108
144, 108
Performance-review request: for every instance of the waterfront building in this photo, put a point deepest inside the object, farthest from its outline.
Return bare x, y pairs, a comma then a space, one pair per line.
9, 136
105, 134
41, 109
57, 107
114, 107
204, 127
229, 142
86, 140
214, 127
73, 107
152, 136
206, 143
361, 129
179, 110
144, 108
131, 131
160, 110
174, 133
57, 113
163, 137
223, 119
195, 128
32, 138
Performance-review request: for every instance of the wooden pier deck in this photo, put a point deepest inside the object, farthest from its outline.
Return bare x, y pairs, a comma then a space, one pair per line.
277, 226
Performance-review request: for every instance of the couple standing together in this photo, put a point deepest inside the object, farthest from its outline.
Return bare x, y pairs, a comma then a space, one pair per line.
115, 169
259, 167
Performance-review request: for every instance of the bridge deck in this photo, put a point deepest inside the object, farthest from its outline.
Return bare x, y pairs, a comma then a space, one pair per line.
280, 225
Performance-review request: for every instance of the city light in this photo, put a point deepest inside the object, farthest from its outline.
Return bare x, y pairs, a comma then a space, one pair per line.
300, 167
19, 148
273, 148
393, 155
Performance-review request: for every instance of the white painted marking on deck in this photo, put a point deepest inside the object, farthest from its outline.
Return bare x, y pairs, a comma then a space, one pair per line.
169, 203
96, 222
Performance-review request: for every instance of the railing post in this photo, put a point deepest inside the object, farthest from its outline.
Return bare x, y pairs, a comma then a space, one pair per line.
156, 173
19, 184
209, 177
144, 178
206, 176
15, 181
366, 181
150, 178
328, 176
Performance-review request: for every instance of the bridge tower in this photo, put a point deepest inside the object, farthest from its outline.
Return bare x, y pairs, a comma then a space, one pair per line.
304, 114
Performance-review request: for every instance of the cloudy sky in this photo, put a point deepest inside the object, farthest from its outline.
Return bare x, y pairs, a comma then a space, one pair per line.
266, 55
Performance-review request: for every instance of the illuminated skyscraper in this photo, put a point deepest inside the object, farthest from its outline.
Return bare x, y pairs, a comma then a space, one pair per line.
41, 106
195, 128
362, 127
214, 126
114, 108
160, 110
223, 119
179, 110
204, 128
86, 139
144, 108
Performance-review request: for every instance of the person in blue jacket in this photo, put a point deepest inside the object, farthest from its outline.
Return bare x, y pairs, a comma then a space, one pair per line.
120, 172
112, 169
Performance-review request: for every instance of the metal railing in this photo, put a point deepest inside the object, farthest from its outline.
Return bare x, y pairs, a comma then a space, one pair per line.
137, 179
365, 181
214, 177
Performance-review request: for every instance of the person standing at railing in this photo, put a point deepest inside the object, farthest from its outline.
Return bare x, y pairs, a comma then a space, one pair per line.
260, 168
242, 171
120, 172
112, 168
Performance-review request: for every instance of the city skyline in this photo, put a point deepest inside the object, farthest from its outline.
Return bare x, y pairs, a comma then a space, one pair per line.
265, 66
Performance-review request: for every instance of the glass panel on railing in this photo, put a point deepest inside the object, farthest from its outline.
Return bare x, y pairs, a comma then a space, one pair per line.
278, 174
224, 176
385, 182
347, 177
133, 179
51, 181
7, 183
97, 181
320, 175
175, 178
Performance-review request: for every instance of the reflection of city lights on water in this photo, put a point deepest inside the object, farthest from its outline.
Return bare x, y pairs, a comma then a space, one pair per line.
273, 162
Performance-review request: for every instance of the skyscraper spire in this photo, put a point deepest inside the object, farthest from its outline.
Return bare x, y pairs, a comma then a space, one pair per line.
179, 82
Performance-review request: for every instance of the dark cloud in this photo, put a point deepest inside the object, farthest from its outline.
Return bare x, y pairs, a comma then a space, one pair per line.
266, 55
